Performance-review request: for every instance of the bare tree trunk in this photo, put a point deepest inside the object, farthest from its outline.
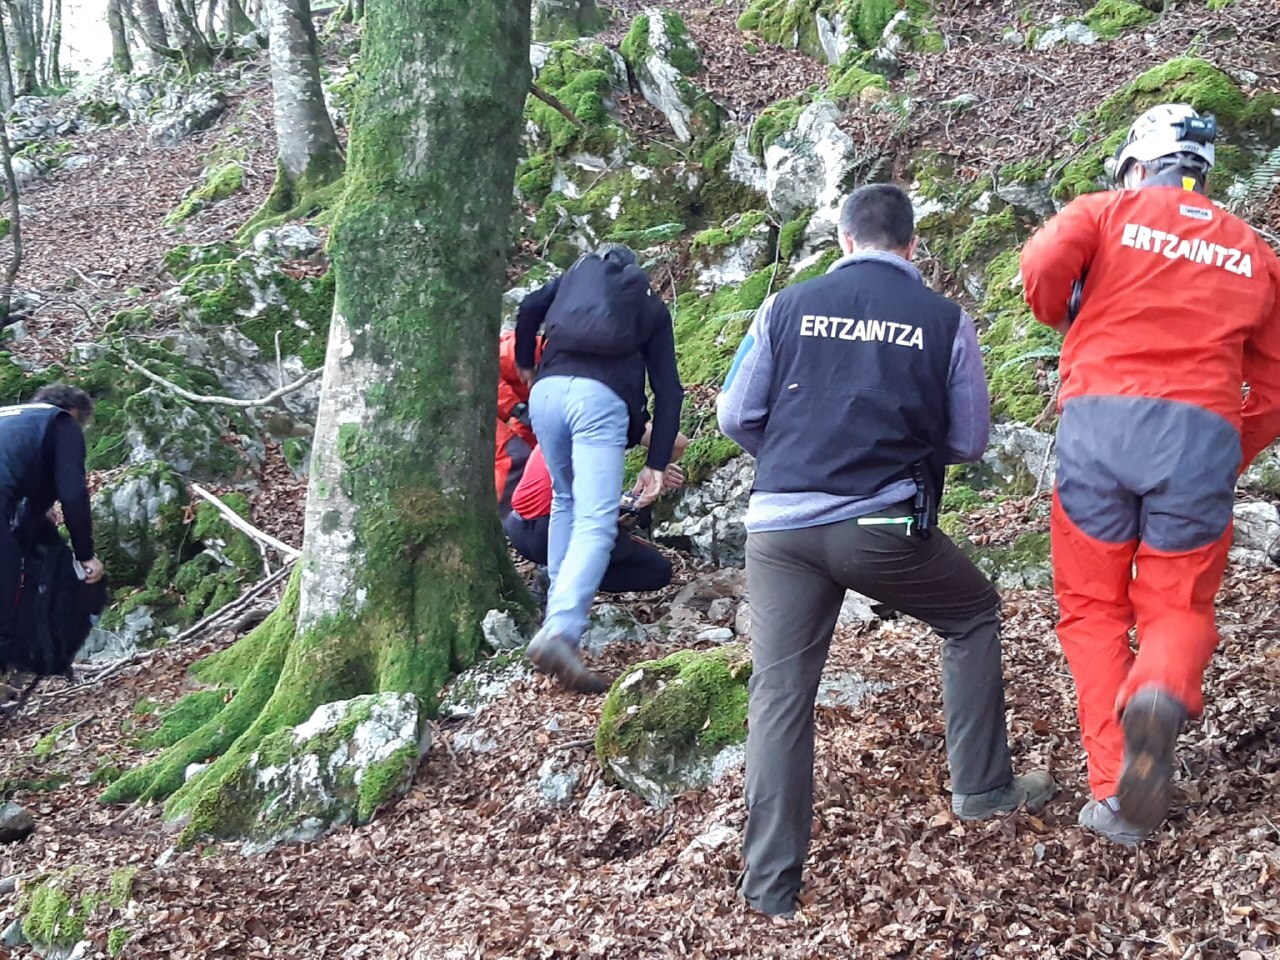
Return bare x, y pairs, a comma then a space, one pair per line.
15, 224
6, 73
148, 23
55, 44
121, 61
307, 146
210, 28
38, 34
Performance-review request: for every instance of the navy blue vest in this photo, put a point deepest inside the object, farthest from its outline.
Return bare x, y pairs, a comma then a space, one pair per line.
859, 400
25, 467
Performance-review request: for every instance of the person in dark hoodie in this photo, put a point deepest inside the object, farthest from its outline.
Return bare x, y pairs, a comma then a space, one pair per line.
42, 456
606, 331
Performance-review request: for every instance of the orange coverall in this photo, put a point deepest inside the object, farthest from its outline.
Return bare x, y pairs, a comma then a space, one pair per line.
515, 440
1181, 306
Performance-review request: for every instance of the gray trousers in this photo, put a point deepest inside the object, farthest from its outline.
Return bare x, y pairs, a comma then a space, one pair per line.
797, 580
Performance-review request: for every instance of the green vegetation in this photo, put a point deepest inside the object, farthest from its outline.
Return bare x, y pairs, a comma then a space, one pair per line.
578, 74
1110, 18
219, 183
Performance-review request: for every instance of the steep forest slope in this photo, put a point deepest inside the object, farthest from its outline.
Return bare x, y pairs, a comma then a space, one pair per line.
716, 138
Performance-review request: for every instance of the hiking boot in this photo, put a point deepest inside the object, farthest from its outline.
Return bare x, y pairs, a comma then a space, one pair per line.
1103, 818
553, 654
1030, 791
1151, 723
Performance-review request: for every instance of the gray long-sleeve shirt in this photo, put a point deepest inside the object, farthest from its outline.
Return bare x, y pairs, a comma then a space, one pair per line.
743, 412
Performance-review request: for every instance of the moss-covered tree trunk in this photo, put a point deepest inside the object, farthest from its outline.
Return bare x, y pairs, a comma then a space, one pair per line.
197, 55
238, 22
403, 552
121, 61
6, 72
308, 155
22, 19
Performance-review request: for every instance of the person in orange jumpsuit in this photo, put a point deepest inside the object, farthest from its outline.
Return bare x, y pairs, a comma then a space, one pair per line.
1169, 305
515, 439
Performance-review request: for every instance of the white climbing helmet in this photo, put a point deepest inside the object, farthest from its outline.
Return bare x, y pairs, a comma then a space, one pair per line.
1168, 130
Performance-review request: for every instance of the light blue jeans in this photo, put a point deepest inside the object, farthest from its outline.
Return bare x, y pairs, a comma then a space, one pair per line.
581, 426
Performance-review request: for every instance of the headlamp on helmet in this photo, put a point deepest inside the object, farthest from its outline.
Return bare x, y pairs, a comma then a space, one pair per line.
1172, 132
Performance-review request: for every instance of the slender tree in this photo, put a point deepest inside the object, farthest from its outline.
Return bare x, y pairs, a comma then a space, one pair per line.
308, 155
403, 552
55, 43
14, 224
6, 73
121, 61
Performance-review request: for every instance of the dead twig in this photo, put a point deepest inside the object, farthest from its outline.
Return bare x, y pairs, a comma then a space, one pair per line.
244, 526
271, 397
555, 104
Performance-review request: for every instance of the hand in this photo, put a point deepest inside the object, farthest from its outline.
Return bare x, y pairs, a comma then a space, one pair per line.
648, 486
672, 478
525, 374
93, 570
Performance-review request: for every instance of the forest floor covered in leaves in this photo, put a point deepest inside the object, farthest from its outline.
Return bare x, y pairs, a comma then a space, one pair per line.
473, 863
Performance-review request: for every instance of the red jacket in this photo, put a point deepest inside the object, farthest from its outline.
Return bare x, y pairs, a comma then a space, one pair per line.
1181, 302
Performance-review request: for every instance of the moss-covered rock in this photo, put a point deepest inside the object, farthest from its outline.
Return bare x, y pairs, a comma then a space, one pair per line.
1110, 18
1023, 564
1020, 353
338, 768
565, 19
252, 294
56, 908
583, 75
676, 724
663, 57
220, 181
139, 518
1248, 122
834, 28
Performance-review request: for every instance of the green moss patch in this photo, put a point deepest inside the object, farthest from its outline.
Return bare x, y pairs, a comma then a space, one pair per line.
1019, 385
690, 699
578, 74
220, 182
185, 717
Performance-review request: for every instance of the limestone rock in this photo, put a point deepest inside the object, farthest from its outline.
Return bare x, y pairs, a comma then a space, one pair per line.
658, 49
335, 769
289, 242
1256, 540
706, 519
696, 598
1070, 32
833, 37
138, 518
16, 823
846, 690
808, 166
716, 837
676, 724
745, 169
736, 260
501, 631
611, 625
182, 115
558, 779
478, 686
1023, 564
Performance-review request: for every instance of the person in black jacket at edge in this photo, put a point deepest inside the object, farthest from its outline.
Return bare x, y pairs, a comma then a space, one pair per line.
605, 331
42, 460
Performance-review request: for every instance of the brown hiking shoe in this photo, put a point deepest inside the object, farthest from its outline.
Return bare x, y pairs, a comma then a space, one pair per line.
1151, 723
555, 655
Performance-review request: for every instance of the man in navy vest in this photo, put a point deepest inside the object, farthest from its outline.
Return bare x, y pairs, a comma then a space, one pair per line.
42, 460
853, 391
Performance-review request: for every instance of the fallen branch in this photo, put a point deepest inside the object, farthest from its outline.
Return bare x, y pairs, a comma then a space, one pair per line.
555, 104
244, 526
235, 606
271, 397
